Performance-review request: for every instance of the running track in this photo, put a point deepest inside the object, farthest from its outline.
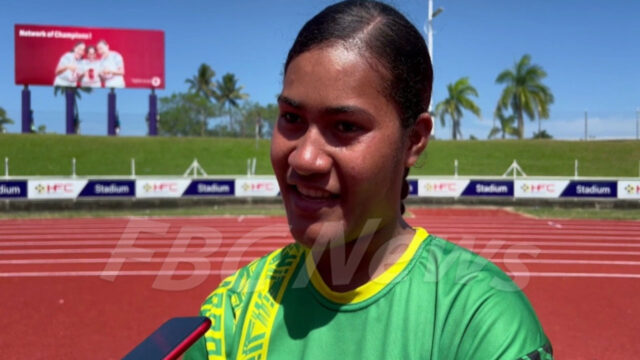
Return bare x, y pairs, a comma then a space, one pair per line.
93, 288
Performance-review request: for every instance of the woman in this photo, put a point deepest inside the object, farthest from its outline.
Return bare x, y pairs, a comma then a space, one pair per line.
359, 282
67, 70
91, 69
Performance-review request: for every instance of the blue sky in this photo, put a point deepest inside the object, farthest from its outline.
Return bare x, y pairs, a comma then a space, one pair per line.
589, 49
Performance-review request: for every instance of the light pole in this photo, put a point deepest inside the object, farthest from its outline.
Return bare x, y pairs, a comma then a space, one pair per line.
637, 123
428, 28
586, 119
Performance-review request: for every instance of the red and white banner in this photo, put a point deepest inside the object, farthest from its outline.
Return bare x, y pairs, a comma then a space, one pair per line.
54, 188
257, 187
539, 188
161, 188
628, 189
89, 57
441, 187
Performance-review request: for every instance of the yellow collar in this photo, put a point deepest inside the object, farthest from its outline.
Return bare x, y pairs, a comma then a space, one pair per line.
373, 286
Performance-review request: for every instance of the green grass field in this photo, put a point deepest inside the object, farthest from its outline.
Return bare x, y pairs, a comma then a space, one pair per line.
98, 155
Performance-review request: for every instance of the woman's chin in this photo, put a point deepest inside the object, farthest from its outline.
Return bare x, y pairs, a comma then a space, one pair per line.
318, 235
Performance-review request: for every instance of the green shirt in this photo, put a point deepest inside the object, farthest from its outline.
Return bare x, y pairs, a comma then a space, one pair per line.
438, 301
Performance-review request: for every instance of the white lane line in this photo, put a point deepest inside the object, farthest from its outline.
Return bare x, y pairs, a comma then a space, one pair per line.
252, 249
214, 259
498, 242
282, 242
216, 272
574, 275
194, 240
43, 239
110, 273
133, 250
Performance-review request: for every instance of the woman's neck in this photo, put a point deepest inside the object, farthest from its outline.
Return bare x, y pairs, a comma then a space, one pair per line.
353, 264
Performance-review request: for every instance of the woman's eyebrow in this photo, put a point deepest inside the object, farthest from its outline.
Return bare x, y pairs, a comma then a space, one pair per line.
290, 102
346, 109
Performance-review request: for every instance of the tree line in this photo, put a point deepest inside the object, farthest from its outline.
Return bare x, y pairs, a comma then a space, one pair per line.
214, 107
524, 95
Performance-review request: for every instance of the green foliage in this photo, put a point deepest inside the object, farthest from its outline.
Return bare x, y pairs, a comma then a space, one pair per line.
185, 114
229, 93
35, 154
4, 121
452, 106
542, 134
202, 83
253, 113
506, 126
524, 92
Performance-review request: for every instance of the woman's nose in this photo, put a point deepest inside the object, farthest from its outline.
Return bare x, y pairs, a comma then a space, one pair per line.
310, 154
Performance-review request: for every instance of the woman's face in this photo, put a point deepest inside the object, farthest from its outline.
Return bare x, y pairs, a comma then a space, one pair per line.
338, 150
78, 50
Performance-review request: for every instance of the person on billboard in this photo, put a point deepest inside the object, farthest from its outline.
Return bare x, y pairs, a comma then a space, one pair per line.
67, 71
359, 282
90, 69
112, 65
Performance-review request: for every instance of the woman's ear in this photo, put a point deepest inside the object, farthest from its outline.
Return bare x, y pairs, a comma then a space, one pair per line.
418, 138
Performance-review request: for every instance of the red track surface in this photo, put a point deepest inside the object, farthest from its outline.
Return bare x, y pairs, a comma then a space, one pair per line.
60, 298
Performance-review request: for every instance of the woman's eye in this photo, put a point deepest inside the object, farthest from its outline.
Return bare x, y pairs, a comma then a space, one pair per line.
290, 118
347, 127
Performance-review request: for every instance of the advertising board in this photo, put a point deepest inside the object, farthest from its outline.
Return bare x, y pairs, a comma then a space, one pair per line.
88, 57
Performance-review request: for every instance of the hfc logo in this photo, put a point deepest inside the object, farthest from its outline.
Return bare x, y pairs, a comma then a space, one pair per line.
631, 190
538, 188
55, 188
266, 186
160, 187
441, 187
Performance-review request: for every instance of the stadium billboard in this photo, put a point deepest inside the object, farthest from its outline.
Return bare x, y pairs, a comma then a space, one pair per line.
88, 57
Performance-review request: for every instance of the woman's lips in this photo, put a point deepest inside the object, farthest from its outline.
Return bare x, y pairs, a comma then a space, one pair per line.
313, 193
311, 199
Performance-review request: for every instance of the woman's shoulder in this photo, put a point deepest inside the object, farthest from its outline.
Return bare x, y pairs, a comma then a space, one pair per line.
471, 290
448, 262
257, 274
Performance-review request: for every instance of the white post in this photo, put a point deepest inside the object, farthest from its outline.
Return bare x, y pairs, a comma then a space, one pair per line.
575, 170
73, 167
133, 167
455, 168
253, 166
248, 167
6, 167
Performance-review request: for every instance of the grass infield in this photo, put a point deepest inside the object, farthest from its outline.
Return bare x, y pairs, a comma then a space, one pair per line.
50, 155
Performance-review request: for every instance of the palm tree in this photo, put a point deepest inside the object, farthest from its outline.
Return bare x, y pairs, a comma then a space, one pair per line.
77, 96
229, 93
4, 120
452, 106
202, 84
506, 126
524, 92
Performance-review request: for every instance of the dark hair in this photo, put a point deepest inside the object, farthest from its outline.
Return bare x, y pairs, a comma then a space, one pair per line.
78, 44
391, 44
91, 47
389, 40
